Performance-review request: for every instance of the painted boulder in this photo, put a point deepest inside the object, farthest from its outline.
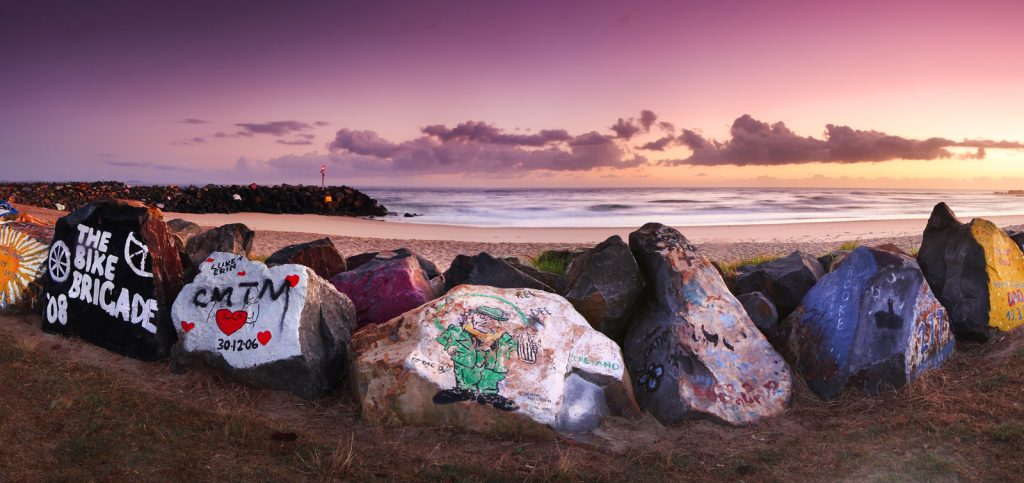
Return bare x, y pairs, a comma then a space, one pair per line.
279, 327
112, 274
320, 255
604, 284
382, 290
489, 359
22, 264
233, 238
784, 281
873, 323
976, 271
691, 347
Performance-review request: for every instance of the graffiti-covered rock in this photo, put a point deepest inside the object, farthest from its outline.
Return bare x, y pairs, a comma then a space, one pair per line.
489, 359
233, 238
384, 289
484, 269
691, 348
23, 250
784, 281
112, 275
976, 271
320, 255
604, 283
280, 327
873, 323
762, 312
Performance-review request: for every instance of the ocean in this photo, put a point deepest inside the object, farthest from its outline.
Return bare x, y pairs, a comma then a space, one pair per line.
632, 207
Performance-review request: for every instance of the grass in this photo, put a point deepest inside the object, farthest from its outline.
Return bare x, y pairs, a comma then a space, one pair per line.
552, 262
729, 269
79, 413
850, 245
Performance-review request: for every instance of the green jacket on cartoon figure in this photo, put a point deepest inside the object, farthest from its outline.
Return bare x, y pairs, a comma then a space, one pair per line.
479, 357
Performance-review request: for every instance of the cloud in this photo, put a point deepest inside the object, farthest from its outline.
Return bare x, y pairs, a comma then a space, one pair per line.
625, 129
660, 144
757, 143
486, 133
295, 142
192, 120
273, 128
190, 142
647, 118
321, 123
140, 164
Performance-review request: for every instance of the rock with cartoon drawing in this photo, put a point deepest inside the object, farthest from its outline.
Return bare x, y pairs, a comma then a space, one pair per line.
490, 359
281, 327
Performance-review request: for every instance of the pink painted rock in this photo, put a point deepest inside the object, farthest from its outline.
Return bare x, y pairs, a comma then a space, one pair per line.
382, 290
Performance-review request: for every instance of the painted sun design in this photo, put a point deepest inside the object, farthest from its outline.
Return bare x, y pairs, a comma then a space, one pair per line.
21, 262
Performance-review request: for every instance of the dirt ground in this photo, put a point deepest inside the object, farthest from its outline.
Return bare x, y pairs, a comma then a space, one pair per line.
73, 411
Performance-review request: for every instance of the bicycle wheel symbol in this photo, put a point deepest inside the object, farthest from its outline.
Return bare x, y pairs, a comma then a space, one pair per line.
59, 262
135, 254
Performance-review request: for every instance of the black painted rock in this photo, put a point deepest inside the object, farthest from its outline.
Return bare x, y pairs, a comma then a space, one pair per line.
280, 327
1018, 238
320, 255
691, 348
832, 261
976, 271
604, 284
484, 269
556, 281
873, 323
233, 238
112, 274
183, 229
762, 312
785, 281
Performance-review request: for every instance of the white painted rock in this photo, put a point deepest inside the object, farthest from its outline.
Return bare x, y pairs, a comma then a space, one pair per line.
490, 359
281, 327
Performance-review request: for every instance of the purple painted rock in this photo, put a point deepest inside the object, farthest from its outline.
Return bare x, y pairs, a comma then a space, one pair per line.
784, 281
320, 255
112, 274
491, 360
873, 323
383, 290
691, 348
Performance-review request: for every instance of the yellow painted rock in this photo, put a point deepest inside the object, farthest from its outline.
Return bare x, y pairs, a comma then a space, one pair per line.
976, 271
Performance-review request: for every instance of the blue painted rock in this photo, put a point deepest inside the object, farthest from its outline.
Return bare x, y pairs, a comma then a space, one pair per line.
382, 290
112, 274
976, 271
281, 327
873, 322
491, 360
784, 281
604, 284
691, 348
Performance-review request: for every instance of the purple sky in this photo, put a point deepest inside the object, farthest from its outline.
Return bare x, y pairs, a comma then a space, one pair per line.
451, 93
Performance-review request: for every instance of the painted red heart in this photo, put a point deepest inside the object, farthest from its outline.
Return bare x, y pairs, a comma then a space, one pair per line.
209, 260
187, 326
263, 337
292, 280
241, 274
229, 322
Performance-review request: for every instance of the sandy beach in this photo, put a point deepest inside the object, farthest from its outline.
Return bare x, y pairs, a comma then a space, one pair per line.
441, 243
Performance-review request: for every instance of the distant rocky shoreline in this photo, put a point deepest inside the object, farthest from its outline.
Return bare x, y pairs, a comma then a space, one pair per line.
290, 199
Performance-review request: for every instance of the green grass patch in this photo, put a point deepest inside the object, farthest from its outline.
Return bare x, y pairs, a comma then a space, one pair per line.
729, 269
850, 245
1006, 432
552, 262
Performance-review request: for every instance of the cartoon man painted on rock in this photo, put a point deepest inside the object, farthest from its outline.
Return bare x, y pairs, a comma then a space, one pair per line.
480, 350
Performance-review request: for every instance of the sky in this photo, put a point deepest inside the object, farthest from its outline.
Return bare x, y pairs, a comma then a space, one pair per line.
515, 94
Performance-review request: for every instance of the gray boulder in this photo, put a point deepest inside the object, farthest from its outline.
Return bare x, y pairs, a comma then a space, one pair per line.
691, 348
183, 229
784, 281
604, 284
235, 238
484, 269
280, 327
320, 255
762, 312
